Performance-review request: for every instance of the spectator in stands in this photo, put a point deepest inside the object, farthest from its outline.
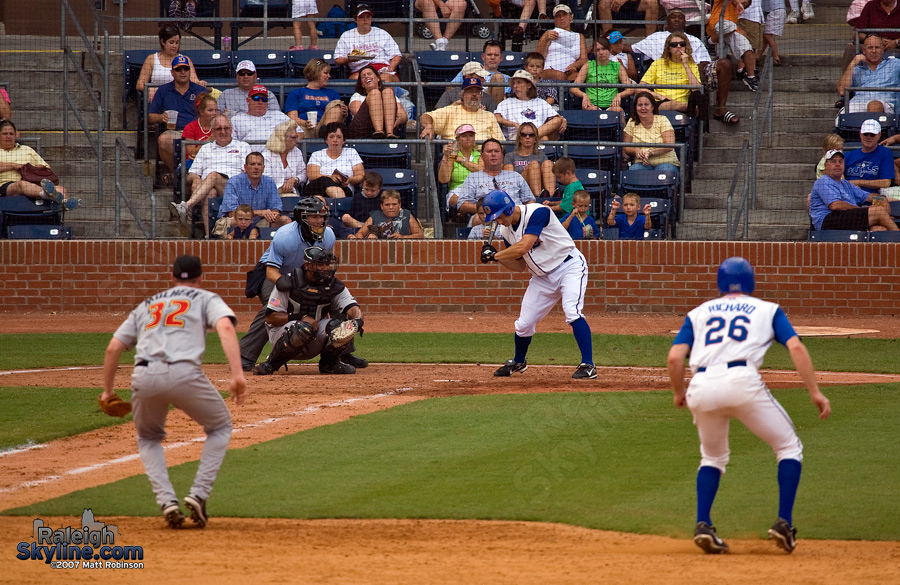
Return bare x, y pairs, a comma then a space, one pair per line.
525, 106
716, 78
491, 57
564, 171
579, 223
477, 222
453, 95
534, 64
233, 100
645, 125
181, 96
650, 8
255, 189
337, 169
676, 67
530, 162
215, 162
12, 157
448, 9
5, 105
871, 167
376, 112
837, 204
774, 27
461, 158
284, 161
258, 122
565, 51
734, 38
189, 10
201, 128
630, 227
832, 142
391, 221
518, 35
601, 70
368, 45
242, 227
876, 14
871, 69
479, 183
364, 202
314, 98
618, 53
443, 122
806, 9
157, 68
301, 9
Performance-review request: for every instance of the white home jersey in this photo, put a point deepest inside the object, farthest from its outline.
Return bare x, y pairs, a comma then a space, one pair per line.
553, 245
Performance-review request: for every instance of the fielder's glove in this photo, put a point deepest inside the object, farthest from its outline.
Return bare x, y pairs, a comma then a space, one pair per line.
114, 406
488, 253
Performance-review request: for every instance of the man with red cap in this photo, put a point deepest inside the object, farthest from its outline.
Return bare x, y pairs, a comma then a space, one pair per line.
256, 124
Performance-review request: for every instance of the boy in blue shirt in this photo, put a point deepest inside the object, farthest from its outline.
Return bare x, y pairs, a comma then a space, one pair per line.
630, 227
579, 223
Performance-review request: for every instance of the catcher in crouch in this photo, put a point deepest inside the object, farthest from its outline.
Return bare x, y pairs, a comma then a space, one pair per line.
310, 313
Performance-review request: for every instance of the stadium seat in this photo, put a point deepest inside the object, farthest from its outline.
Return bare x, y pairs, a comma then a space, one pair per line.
462, 233
611, 233
288, 203
39, 232
266, 233
596, 183
406, 182
685, 131
270, 64
213, 205
297, 60
848, 125
606, 158
21, 210
884, 236
438, 67
212, 66
550, 151
838, 236
338, 206
256, 8
384, 155
593, 125
661, 184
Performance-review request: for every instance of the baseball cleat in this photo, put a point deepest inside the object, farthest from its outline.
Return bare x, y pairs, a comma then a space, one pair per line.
509, 368
197, 507
355, 361
585, 372
173, 515
784, 535
706, 538
337, 367
263, 369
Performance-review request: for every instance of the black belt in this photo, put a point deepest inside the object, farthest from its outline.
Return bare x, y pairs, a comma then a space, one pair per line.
734, 364
142, 363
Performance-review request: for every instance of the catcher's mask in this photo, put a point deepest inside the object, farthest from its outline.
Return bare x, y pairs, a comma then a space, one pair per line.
320, 265
305, 209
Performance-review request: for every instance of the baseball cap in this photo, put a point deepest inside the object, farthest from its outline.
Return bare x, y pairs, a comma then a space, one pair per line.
187, 267
832, 153
475, 68
465, 128
870, 127
562, 8
522, 74
246, 65
614, 36
362, 9
180, 60
468, 82
258, 90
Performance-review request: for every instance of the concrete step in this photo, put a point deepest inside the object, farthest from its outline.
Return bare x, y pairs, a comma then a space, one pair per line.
765, 171
798, 155
718, 139
722, 185
766, 199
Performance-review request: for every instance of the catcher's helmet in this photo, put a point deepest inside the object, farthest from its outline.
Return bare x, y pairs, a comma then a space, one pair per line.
736, 276
320, 264
495, 203
306, 207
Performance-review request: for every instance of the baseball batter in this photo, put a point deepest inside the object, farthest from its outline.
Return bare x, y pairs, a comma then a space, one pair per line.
324, 322
537, 242
168, 332
727, 339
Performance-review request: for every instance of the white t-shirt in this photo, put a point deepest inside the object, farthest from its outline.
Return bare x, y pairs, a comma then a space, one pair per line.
344, 163
225, 160
563, 51
377, 42
654, 45
536, 111
256, 129
296, 166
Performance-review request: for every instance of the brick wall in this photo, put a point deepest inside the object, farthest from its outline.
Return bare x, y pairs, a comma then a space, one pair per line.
434, 276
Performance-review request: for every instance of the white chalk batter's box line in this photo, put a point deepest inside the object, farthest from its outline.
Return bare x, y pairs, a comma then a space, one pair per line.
261, 423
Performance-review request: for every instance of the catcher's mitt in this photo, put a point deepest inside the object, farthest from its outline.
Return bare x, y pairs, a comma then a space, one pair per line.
114, 406
344, 333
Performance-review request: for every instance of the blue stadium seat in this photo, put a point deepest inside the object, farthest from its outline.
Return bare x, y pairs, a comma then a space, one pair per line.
297, 60
384, 155
439, 67
596, 183
661, 184
288, 203
213, 205
270, 64
550, 151
405, 181
884, 236
462, 233
21, 210
593, 125
39, 232
266, 233
606, 158
838, 236
338, 206
848, 125
611, 233
212, 65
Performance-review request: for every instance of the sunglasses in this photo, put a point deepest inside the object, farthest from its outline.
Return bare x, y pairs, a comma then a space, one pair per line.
678, 44
527, 134
246, 74
181, 68
260, 98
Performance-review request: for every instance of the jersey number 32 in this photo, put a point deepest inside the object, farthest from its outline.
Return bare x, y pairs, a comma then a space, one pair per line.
168, 316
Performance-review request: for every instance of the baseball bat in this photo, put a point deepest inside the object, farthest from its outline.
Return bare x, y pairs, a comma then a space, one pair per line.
490, 236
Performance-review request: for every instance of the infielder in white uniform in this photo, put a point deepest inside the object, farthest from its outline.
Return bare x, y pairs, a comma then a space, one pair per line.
168, 332
727, 339
537, 242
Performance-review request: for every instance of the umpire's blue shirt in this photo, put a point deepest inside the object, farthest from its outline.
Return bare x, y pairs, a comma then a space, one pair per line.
287, 248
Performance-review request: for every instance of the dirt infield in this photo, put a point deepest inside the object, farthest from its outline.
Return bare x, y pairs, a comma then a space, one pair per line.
389, 551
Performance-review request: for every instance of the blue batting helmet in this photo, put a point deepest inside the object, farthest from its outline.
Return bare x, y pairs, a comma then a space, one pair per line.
495, 203
736, 276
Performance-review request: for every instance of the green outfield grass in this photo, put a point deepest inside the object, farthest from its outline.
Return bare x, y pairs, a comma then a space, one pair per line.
620, 461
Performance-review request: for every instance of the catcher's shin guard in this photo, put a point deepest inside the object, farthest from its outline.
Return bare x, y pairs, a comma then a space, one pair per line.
292, 343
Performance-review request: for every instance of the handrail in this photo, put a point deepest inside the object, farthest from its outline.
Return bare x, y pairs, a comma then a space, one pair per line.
730, 222
122, 194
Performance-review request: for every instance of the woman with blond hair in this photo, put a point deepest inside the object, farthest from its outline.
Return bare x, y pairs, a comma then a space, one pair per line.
676, 67
527, 160
284, 161
312, 106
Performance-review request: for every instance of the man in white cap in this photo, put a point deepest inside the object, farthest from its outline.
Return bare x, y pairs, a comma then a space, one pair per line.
234, 100
454, 94
871, 167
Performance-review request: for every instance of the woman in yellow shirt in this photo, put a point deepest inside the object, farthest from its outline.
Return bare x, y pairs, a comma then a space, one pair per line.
676, 67
645, 125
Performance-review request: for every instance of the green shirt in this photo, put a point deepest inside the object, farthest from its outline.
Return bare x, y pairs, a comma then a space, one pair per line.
609, 73
568, 192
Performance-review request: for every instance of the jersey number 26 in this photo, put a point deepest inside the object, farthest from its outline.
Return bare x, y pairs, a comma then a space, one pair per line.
736, 329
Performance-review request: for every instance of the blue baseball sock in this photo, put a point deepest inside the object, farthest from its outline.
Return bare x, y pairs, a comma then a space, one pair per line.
522, 344
707, 486
582, 332
788, 480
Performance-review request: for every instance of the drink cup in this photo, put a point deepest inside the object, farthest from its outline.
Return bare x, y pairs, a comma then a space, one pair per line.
173, 119
312, 116
226, 43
